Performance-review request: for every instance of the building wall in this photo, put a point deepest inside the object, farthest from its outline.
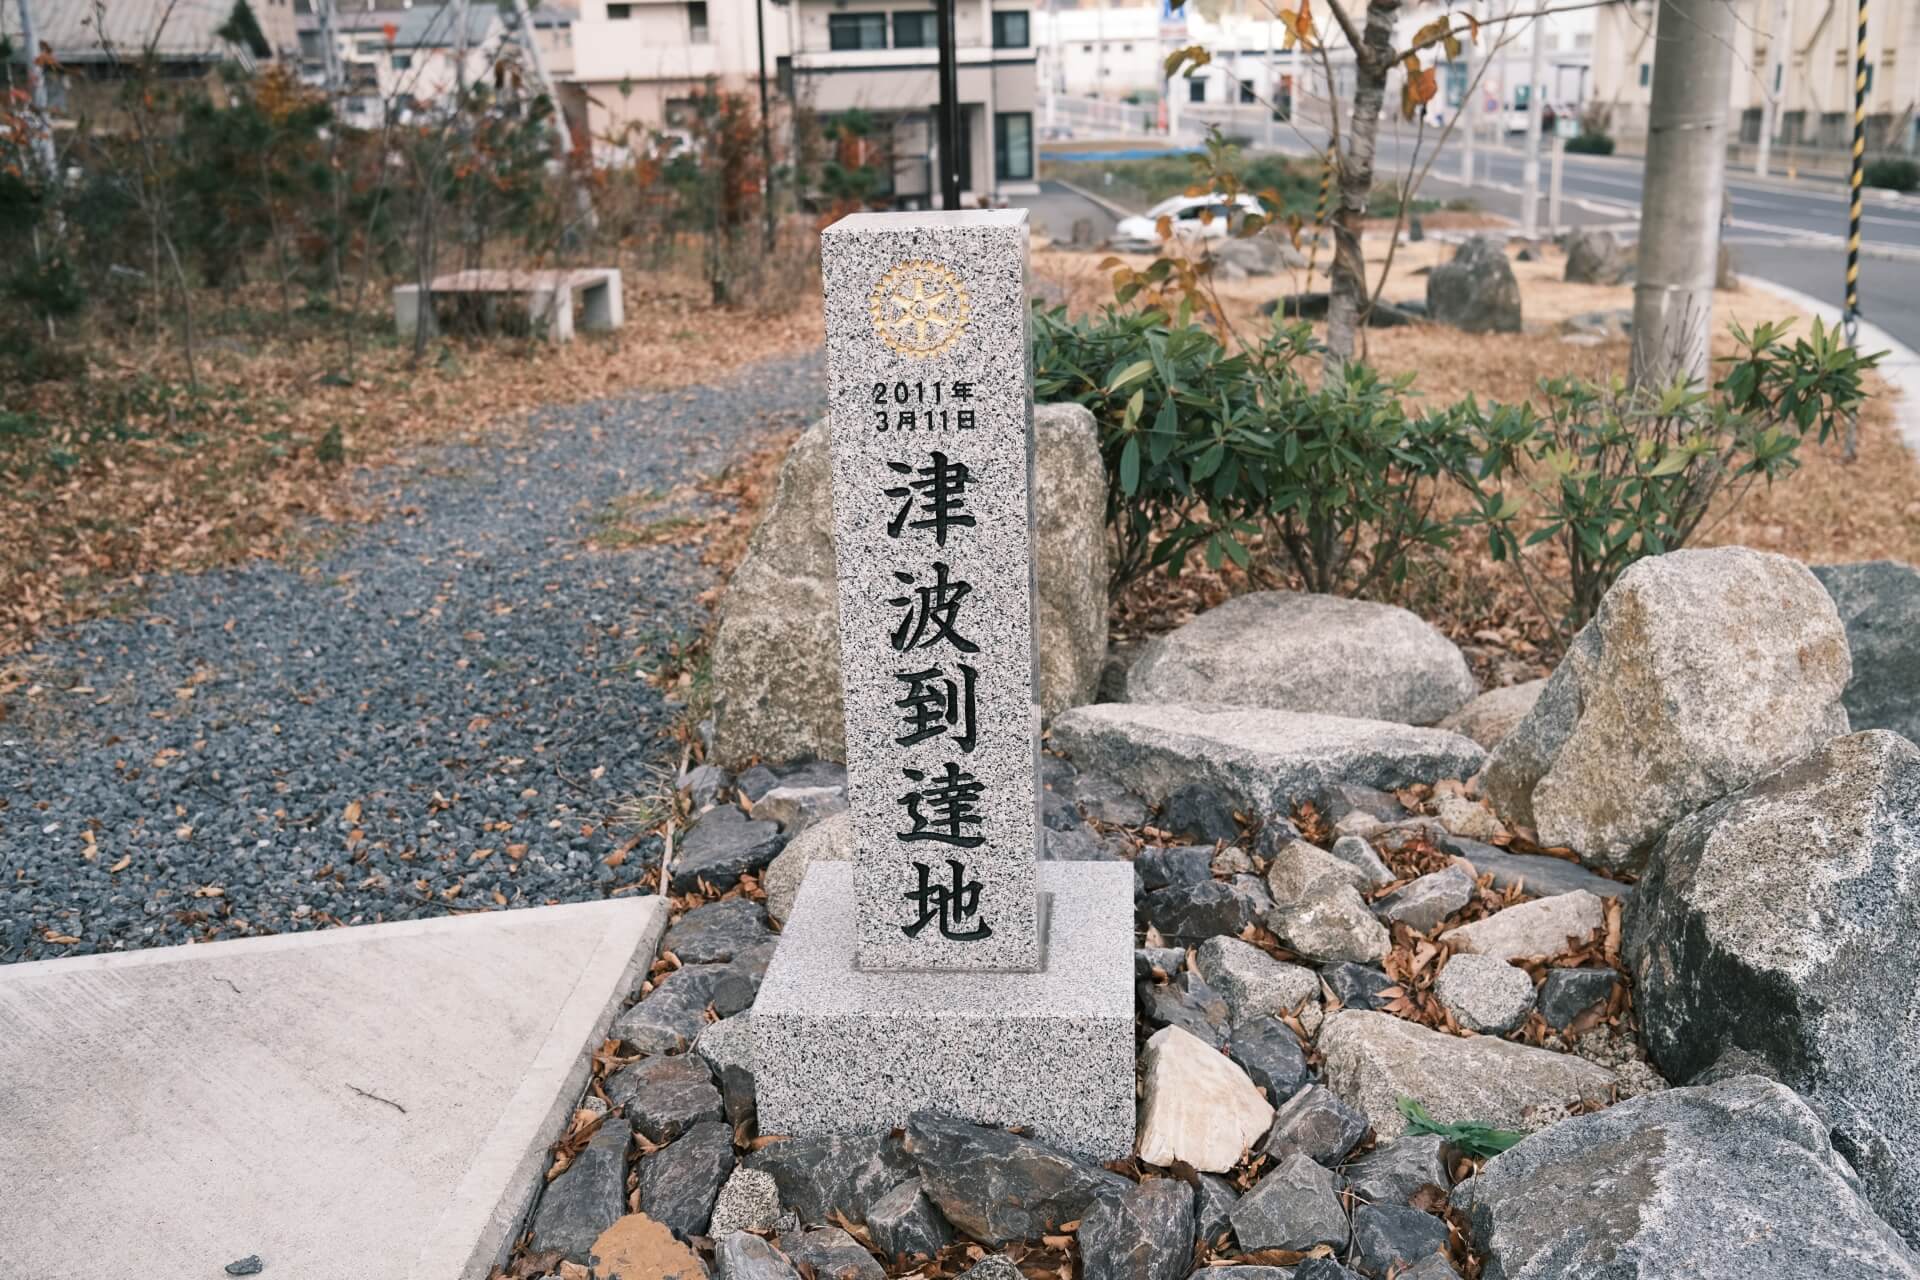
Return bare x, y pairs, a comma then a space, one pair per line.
631, 61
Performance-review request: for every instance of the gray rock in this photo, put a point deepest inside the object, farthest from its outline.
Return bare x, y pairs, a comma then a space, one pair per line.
586, 1199
705, 785
1276, 832
776, 650
745, 1256
251, 1265
1394, 1172
1324, 1269
1372, 1060
811, 773
825, 1174
1780, 921
1423, 903
1597, 257
1356, 986
1879, 605
1196, 912
1262, 760
1244, 1272
1194, 811
716, 932
998, 1187
1543, 927
1312, 653
1484, 994
1213, 1201
904, 1223
1233, 861
1432, 1267
1314, 1123
749, 1200
795, 808
680, 1182
1189, 1003
992, 1267
1701, 672
1333, 926
1104, 800
1568, 993
663, 1022
1343, 799
1594, 1197
1270, 1053
1158, 964
1536, 873
1295, 1206
1081, 844
1058, 813
1494, 714
1476, 291
1300, 872
756, 781
665, 1096
831, 1253
829, 840
1174, 864
722, 845
1145, 1233
1253, 982
1388, 1236
1356, 852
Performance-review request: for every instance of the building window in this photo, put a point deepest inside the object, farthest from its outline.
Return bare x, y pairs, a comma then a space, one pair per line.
914, 31
1646, 73
1013, 145
1246, 91
1086, 48
1010, 29
697, 21
1196, 91
402, 61
849, 31
1126, 48
619, 12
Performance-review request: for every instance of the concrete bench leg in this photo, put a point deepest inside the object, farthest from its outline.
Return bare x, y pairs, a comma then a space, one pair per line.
550, 311
411, 309
603, 309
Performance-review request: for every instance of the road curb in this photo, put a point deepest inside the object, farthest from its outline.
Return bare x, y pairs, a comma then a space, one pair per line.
1111, 206
1900, 367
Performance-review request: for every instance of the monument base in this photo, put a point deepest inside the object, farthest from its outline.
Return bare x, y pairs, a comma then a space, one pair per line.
840, 1049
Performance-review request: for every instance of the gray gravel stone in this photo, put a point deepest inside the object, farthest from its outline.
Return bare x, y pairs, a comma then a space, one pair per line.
1315, 1123
749, 1200
756, 781
1253, 982
1356, 852
1356, 986
831, 1253
1270, 1053
1104, 800
1538, 874
722, 845
1421, 904
1174, 864
904, 1222
998, 1187
992, 1267
1144, 1233
834, 1173
1342, 799
1323, 1269
1879, 605
586, 1199
1295, 1206
716, 932
1157, 964
1183, 912
795, 808
664, 1097
1196, 811
745, 1256
1213, 1201
1333, 925
1189, 1003
1388, 1236
1393, 1172
1484, 994
679, 1183
1568, 993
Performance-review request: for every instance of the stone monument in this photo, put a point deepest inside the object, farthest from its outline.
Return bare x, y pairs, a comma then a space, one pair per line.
946, 968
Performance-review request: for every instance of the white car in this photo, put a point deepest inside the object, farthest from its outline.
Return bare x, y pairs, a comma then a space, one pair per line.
1188, 217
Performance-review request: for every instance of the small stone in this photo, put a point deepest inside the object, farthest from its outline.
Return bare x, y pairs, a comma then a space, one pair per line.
1198, 1106
1337, 926
756, 782
1388, 1236
1174, 864
1232, 861
1300, 872
705, 784
1145, 1233
716, 932
247, 1266
827, 1174
1495, 713
832, 1253
1186, 1002
1104, 800
1340, 800
1294, 1206
749, 1201
638, 1248
1543, 927
1356, 986
992, 1267
997, 1186
679, 1183
1198, 812
795, 809
1244, 1272
829, 840
1356, 852
1432, 1267
664, 1022
664, 1097
1081, 844
745, 1256
1183, 912
905, 1223
1424, 903
1314, 1123
1057, 812
1324, 1269
1463, 817
1568, 993
586, 1199
1253, 982
1537, 873
1270, 1053
1275, 832
1360, 825
1213, 1201
727, 1046
722, 845
1394, 1172
1158, 964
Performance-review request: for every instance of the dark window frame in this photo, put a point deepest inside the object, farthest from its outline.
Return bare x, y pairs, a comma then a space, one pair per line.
1196, 89
1003, 170
929, 30
1003, 21
860, 23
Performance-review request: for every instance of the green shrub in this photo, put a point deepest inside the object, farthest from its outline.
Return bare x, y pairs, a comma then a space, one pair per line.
1590, 144
1895, 173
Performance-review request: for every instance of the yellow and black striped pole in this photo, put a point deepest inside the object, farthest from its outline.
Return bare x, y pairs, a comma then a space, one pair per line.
1860, 71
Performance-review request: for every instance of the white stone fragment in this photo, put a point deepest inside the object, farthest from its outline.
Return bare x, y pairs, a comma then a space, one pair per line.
1199, 1107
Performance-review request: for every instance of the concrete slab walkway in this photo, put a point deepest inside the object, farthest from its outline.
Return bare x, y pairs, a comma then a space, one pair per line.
372, 1102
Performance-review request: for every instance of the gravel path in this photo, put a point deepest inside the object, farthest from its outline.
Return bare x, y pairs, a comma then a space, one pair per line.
465, 671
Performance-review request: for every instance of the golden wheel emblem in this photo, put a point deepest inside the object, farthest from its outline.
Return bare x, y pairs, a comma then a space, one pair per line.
918, 308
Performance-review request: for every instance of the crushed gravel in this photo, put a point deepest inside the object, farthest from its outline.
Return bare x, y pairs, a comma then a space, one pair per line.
468, 672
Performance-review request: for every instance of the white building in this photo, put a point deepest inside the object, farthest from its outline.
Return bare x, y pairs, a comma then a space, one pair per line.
402, 60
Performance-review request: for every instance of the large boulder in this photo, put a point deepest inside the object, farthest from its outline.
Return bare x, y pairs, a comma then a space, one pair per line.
1598, 257
1314, 653
1477, 290
1701, 671
1263, 760
1879, 604
776, 651
1731, 1182
1780, 922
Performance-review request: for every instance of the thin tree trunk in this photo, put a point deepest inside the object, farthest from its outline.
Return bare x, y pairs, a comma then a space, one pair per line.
1347, 289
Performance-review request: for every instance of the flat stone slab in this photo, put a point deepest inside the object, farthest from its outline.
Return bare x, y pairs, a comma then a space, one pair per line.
1266, 760
374, 1102
1537, 873
838, 1049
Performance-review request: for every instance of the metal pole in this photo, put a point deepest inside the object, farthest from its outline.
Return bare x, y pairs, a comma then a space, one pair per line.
1554, 170
1852, 318
949, 113
1469, 105
1530, 170
1776, 81
460, 50
1273, 85
37, 93
766, 127
562, 136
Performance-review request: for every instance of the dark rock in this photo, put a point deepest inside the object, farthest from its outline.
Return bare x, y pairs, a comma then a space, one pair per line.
813, 773
1879, 604
716, 932
745, 1256
679, 1182
1198, 812
247, 1266
1779, 920
727, 1046
1145, 1233
1213, 1201
664, 1022
1357, 986
998, 1187
1568, 993
1314, 1123
1189, 1003
1081, 844
1423, 903
586, 1199
1057, 774
1596, 257
1432, 1267
705, 784
1294, 1206
1385, 1236
1477, 291
756, 782
904, 1222
1104, 800
1244, 1272
1597, 1197
1276, 833
1536, 873
1323, 1269
1196, 912
1058, 812
1337, 801
664, 1097
834, 1173
1393, 1172
992, 1267
1270, 1053
1151, 964
832, 1254
795, 808
722, 845
737, 984
1176, 864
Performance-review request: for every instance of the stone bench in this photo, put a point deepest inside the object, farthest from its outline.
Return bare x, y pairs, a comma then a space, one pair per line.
549, 295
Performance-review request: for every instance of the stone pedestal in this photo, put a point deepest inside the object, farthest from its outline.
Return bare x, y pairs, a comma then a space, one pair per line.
839, 1049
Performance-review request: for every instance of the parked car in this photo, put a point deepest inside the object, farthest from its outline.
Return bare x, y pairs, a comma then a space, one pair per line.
1191, 220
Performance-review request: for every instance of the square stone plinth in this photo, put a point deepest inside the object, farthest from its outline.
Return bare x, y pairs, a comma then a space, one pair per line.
839, 1049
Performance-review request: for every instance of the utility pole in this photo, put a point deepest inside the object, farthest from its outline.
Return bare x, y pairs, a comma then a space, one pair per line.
1469, 101
460, 50
37, 94
1536, 106
1777, 40
949, 113
766, 127
1273, 84
562, 136
1682, 190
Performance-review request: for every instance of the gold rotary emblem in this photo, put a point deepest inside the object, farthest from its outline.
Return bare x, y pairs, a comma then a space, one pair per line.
918, 308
